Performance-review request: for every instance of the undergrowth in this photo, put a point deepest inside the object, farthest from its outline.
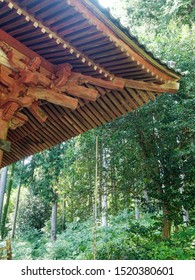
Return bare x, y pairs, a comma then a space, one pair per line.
123, 239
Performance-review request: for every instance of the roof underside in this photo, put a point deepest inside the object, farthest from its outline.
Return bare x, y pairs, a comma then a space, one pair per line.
64, 32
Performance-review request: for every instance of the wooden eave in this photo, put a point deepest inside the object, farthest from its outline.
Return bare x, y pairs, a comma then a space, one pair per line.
103, 59
125, 36
104, 43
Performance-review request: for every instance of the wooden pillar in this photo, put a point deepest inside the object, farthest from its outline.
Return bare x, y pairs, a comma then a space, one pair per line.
4, 125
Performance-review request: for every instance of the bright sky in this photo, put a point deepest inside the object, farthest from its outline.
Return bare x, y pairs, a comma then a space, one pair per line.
106, 3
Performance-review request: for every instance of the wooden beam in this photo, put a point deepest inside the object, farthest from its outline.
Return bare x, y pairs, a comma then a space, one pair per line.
53, 97
39, 114
116, 83
135, 97
17, 120
80, 91
171, 87
120, 84
151, 95
29, 77
59, 40
24, 50
95, 17
3, 59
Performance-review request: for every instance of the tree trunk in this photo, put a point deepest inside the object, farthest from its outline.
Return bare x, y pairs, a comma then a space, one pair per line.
145, 193
104, 189
63, 213
6, 207
54, 220
114, 189
137, 212
16, 212
2, 189
149, 205
166, 228
95, 202
90, 201
4, 125
17, 203
90, 193
71, 208
186, 217
104, 206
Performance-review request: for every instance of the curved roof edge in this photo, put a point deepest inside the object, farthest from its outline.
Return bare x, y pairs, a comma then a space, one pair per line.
135, 43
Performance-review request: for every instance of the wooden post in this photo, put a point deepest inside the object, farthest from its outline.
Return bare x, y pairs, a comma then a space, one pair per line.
4, 125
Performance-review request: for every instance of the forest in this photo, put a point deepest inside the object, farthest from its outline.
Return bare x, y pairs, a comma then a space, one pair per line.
125, 190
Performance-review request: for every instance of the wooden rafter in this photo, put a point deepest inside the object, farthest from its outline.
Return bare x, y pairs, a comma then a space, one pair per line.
171, 87
121, 40
120, 84
42, 104
22, 51
22, 85
59, 41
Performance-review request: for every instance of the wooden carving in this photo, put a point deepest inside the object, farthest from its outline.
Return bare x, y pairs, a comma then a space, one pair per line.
22, 85
25, 83
17, 120
38, 112
62, 75
9, 111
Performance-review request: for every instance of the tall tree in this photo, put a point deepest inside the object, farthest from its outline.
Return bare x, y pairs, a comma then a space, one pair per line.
6, 206
54, 216
2, 189
17, 202
104, 186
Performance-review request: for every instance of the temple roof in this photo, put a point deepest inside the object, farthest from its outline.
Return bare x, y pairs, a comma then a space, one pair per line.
109, 60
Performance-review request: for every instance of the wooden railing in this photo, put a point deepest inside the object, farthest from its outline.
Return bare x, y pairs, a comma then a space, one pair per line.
6, 251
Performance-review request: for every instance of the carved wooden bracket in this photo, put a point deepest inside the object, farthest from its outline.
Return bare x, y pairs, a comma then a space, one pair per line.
23, 82
9, 110
22, 85
38, 112
62, 75
17, 120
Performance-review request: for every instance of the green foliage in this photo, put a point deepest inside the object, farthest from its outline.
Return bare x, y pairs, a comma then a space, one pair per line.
4, 227
179, 247
29, 246
149, 150
33, 213
124, 238
153, 16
